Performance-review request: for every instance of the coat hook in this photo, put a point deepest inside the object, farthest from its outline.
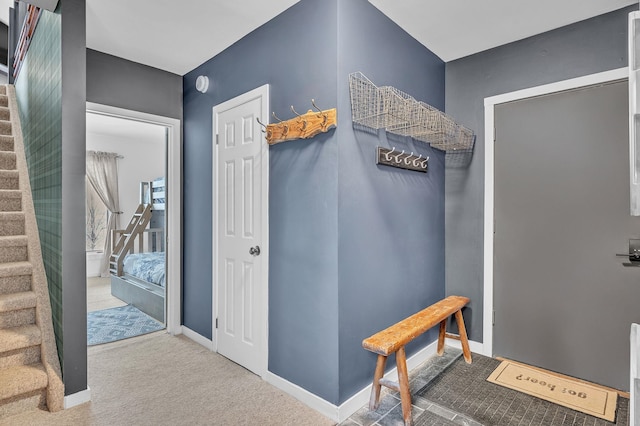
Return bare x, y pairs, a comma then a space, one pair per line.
417, 161
324, 122
424, 162
285, 127
388, 154
304, 122
260, 123
407, 159
313, 102
398, 156
275, 116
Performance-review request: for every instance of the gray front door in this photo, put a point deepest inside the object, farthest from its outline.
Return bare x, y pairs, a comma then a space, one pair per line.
563, 300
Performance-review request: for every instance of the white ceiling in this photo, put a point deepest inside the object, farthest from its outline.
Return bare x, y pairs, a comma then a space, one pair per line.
454, 29
174, 35
179, 35
116, 127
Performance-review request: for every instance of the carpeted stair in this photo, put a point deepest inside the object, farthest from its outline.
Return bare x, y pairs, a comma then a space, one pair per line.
30, 376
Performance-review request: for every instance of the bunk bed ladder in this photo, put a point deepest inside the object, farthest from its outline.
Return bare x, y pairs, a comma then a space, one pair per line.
137, 225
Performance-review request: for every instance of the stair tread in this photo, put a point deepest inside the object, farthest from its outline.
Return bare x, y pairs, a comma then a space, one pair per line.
11, 216
19, 337
10, 193
16, 301
21, 379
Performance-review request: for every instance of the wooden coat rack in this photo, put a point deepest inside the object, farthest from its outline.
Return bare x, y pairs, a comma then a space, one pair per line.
303, 126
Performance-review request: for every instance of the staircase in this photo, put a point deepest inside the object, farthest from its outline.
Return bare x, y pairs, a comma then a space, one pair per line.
30, 376
136, 226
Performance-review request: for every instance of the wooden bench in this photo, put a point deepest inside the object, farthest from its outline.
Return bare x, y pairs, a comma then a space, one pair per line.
393, 340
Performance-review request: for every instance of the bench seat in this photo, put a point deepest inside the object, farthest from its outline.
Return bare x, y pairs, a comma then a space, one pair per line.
394, 338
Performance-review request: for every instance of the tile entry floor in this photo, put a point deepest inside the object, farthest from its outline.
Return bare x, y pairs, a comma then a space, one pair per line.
390, 410
443, 400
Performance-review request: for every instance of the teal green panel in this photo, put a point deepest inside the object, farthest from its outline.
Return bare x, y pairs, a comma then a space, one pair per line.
39, 93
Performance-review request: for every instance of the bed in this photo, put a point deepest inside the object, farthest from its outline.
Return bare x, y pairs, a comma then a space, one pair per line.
141, 280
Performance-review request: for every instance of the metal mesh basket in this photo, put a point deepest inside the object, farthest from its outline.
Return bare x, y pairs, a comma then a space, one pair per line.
399, 113
446, 134
429, 125
422, 121
376, 107
456, 138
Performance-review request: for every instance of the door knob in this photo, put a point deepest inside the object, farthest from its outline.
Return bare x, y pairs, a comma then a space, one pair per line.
254, 251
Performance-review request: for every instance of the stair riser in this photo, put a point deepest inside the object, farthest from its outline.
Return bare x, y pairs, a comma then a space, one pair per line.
19, 284
5, 127
10, 204
11, 227
3, 89
7, 161
13, 254
17, 318
8, 182
26, 356
6, 143
23, 403
4, 100
5, 114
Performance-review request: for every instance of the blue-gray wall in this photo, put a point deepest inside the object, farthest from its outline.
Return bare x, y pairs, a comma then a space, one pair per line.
303, 311
390, 221
354, 247
587, 47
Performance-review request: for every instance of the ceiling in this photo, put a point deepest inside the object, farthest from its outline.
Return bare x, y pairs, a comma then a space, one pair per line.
129, 130
177, 36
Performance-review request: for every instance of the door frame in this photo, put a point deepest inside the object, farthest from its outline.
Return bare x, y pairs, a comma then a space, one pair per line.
174, 212
263, 93
489, 175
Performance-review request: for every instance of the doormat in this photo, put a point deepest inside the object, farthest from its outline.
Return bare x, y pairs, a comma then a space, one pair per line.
110, 325
572, 393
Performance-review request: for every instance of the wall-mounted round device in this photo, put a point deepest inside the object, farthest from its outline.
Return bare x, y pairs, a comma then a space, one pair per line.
202, 83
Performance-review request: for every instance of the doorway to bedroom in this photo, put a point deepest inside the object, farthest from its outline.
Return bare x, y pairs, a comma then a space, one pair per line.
126, 212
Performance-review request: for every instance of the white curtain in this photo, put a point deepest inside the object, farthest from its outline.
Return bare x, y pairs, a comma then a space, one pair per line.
102, 174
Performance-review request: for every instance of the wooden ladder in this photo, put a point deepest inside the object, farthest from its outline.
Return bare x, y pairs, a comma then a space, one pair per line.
136, 226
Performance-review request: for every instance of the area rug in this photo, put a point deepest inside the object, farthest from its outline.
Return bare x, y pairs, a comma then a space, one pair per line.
463, 388
110, 325
572, 393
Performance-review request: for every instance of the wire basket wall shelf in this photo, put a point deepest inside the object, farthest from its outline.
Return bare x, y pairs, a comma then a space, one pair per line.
399, 113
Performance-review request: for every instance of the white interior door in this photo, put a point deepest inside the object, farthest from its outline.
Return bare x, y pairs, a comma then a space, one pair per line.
240, 259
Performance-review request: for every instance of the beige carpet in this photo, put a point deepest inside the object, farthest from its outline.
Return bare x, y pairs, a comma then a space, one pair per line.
99, 294
158, 379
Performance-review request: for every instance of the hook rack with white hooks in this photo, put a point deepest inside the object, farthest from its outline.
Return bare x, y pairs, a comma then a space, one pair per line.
399, 158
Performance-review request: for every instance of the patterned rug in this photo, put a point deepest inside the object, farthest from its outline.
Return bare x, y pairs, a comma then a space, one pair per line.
110, 325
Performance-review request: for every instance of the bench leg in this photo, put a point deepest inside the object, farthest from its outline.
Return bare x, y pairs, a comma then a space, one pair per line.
374, 400
441, 336
403, 381
463, 337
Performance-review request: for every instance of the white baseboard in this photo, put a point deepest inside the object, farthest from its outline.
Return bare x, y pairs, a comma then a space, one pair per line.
473, 346
311, 400
353, 404
198, 338
77, 398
